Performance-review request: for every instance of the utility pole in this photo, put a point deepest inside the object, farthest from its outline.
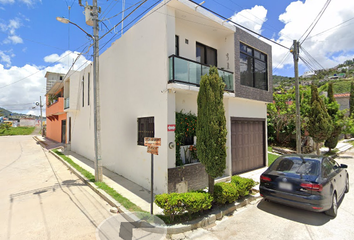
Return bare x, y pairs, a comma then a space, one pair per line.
96, 95
295, 52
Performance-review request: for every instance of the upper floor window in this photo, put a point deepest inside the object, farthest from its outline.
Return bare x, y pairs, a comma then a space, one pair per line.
253, 68
177, 45
206, 55
146, 128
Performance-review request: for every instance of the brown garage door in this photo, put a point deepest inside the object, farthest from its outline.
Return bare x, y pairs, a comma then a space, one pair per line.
247, 144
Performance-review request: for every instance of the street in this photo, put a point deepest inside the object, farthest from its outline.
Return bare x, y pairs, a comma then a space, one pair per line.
41, 199
266, 220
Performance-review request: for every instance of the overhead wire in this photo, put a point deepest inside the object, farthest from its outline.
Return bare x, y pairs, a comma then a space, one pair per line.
309, 55
315, 21
330, 28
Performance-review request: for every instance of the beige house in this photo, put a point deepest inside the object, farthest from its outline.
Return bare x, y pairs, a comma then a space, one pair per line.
152, 72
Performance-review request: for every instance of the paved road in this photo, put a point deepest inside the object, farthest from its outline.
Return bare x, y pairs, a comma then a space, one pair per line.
264, 220
41, 199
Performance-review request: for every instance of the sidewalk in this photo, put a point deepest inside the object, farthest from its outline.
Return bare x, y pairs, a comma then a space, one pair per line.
128, 189
342, 146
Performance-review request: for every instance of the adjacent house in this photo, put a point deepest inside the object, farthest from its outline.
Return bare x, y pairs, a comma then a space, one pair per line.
55, 115
152, 72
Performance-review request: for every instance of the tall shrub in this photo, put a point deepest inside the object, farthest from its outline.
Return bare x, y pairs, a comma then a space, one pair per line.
320, 124
211, 126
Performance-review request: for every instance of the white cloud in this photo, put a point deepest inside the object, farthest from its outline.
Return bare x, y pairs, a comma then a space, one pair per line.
5, 58
19, 96
7, 1
13, 39
329, 48
251, 18
10, 30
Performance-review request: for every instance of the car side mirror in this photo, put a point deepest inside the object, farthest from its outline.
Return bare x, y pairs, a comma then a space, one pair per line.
343, 166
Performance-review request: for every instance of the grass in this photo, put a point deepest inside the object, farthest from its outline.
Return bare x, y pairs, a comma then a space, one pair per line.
271, 158
16, 131
110, 191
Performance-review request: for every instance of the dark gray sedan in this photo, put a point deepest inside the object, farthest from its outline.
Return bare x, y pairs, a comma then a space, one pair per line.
310, 182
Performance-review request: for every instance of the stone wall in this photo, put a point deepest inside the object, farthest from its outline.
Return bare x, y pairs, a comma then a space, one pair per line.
187, 177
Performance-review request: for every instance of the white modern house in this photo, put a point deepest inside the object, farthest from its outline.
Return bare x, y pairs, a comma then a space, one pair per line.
152, 72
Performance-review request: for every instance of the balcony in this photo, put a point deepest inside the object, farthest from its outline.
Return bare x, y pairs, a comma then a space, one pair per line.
55, 109
186, 71
66, 103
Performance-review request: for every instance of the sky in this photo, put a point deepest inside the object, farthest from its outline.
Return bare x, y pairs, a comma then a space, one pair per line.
33, 42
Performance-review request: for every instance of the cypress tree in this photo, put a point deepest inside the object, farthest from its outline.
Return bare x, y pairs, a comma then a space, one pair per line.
211, 126
333, 112
351, 101
320, 123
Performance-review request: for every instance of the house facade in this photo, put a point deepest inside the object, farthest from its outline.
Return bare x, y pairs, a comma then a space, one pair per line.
56, 117
152, 72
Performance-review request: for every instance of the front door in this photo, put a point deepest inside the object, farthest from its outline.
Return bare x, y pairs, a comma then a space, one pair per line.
63, 131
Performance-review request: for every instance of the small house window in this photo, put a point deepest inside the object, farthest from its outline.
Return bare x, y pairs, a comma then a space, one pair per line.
146, 128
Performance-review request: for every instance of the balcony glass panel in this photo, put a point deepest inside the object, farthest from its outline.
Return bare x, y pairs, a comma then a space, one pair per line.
190, 72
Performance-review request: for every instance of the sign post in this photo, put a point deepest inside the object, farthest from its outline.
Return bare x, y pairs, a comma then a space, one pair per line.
152, 147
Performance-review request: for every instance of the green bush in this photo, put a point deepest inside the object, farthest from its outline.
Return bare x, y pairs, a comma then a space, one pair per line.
225, 193
178, 203
243, 185
197, 201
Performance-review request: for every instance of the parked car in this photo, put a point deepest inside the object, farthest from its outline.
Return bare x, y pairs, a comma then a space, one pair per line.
310, 182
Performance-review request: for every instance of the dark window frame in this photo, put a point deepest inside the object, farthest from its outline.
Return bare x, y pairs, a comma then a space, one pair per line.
83, 91
146, 130
251, 54
176, 45
205, 50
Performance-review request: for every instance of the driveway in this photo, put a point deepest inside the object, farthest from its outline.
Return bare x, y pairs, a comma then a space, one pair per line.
265, 220
41, 199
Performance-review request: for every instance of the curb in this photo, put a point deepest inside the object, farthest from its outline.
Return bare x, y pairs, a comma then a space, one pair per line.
216, 214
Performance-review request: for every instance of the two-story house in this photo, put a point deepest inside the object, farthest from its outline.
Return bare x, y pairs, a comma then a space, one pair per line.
56, 117
152, 72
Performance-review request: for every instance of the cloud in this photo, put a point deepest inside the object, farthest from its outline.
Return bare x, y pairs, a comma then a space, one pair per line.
5, 58
328, 47
251, 18
13, 39
10, 30
27, 83
7, 1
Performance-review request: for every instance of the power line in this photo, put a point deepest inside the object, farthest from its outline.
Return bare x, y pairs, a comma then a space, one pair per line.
315, 21
225, 18
330, 28
122, 19
309, 55
106, 19
24, 78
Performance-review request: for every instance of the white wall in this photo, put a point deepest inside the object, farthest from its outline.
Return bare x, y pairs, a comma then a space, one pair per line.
133, 79
82, 130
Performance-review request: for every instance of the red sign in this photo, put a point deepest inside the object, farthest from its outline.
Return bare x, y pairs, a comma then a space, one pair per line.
171, 127
153, 150
148, 141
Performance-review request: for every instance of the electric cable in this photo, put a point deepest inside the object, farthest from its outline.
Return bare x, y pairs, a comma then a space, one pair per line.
330, 28
314, 23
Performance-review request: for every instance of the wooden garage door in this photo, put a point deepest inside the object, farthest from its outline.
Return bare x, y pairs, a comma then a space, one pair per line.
247, 143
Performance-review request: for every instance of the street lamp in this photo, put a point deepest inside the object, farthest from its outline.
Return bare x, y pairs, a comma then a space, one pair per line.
96, 104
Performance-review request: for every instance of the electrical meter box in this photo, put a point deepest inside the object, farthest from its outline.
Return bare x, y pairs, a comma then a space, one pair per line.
88, 15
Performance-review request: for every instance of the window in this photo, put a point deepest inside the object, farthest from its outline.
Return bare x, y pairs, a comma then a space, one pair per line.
206, 55
146, 128
253, 68
88, 89
83, 91
327, 167
176, 45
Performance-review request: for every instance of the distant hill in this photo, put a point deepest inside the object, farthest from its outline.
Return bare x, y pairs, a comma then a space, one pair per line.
6, 113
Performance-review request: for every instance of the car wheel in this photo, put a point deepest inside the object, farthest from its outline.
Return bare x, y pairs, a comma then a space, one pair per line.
347, 185
333, 210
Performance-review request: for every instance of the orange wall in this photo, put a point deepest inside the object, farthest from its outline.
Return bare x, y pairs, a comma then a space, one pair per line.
53, 131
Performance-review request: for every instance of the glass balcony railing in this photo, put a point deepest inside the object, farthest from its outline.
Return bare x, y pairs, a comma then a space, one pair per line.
190, 72
66, 103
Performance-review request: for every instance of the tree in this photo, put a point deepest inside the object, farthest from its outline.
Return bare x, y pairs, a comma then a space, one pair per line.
320, 123
351, 100
211, 126
336, 117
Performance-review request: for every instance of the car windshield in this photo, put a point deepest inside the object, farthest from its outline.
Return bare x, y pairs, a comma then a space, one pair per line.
296, 165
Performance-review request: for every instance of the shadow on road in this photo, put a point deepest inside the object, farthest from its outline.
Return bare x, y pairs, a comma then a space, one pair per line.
294, 214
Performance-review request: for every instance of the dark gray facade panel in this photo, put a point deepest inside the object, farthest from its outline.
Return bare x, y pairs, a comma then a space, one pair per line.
246, 91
